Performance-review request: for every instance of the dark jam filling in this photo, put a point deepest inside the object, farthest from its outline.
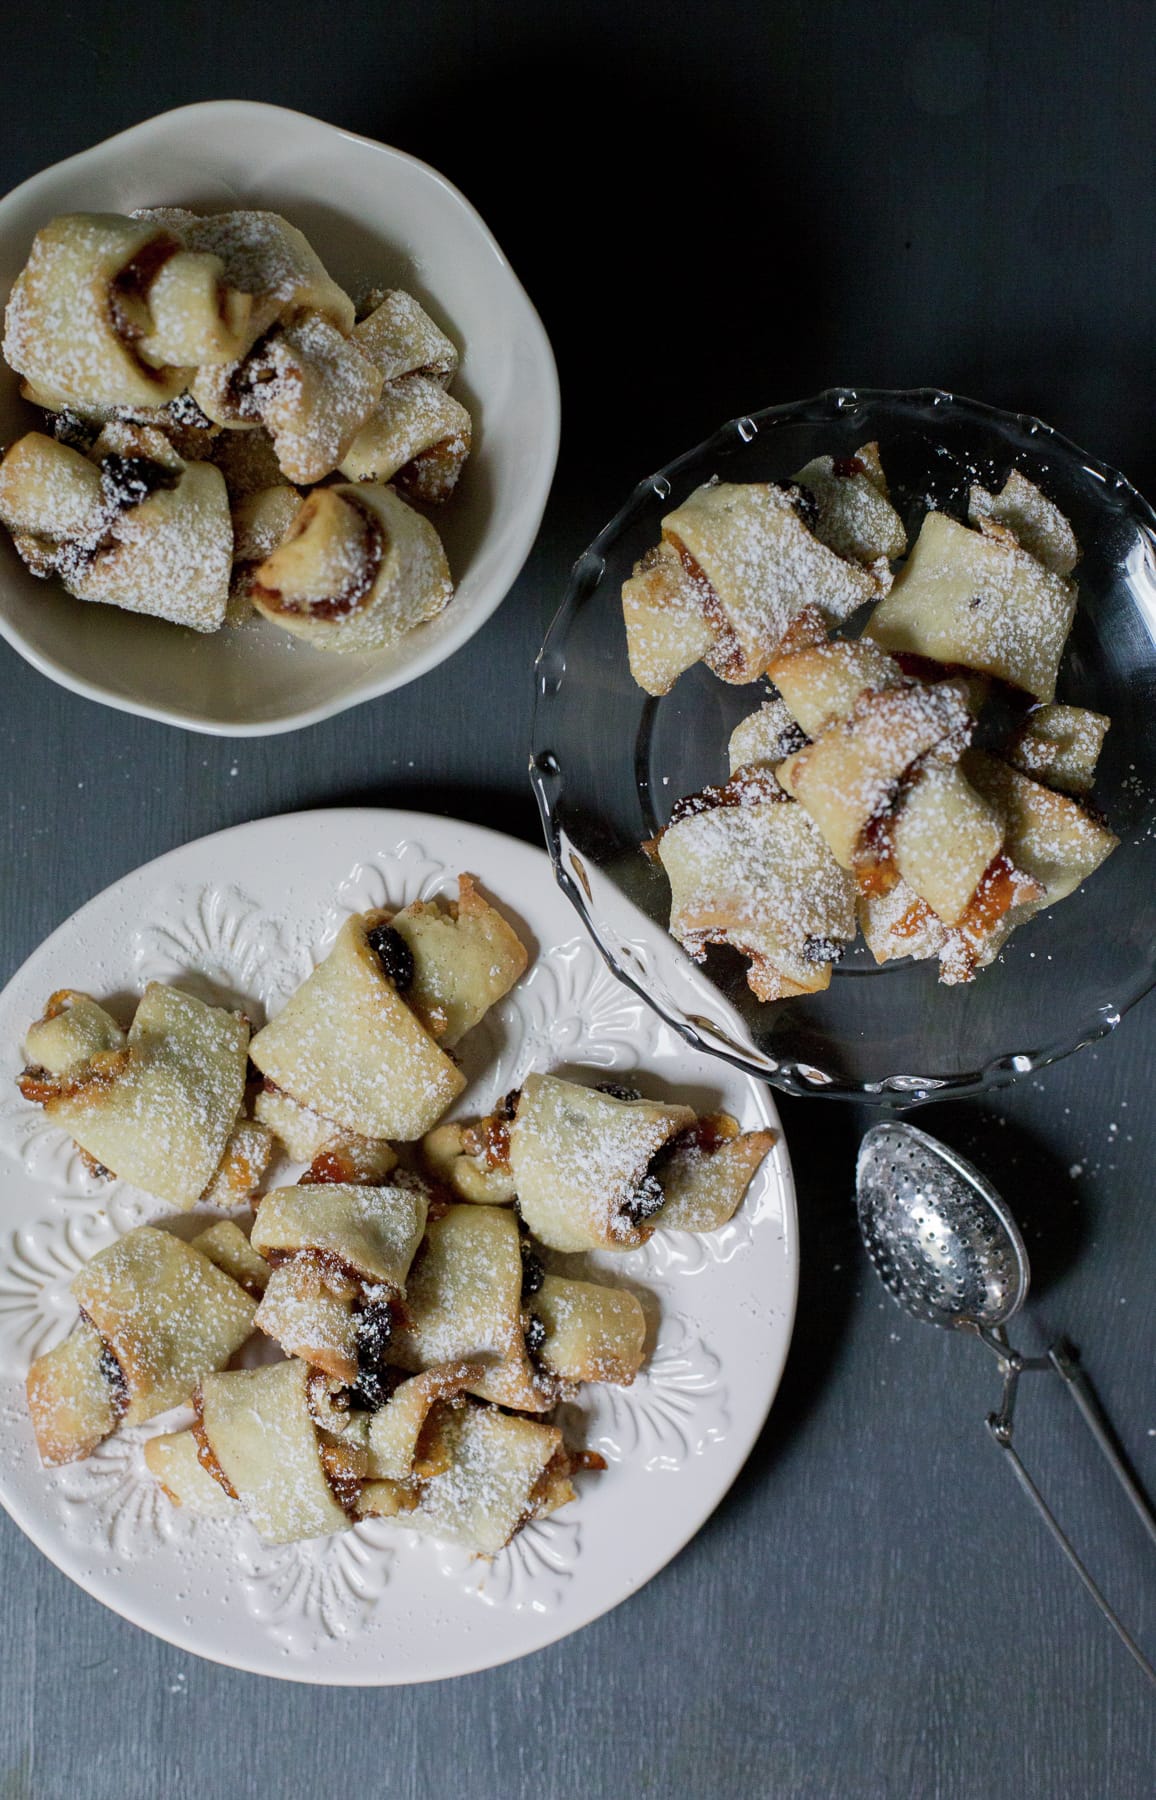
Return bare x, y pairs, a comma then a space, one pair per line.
372, 1334
925, 668
128, 294
533, 1272
749, 787
184, 411
616, 1092
703, 1137
70, 429
254, 372
394, 955
127, 480
349, 597
535, 1336
820, 950
846, 466
136, 278
646, 1200
803, 502
113, 1374
792, 738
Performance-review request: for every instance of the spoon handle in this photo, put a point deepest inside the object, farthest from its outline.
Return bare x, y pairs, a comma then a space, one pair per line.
998, 1426
1064, 1358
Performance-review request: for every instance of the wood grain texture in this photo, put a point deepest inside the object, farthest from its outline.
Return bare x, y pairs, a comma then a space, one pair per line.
892, 194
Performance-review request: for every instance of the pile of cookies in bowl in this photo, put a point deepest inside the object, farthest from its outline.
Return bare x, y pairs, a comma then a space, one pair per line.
224, 429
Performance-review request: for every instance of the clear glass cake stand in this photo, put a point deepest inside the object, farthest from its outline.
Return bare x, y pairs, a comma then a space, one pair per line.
608, 763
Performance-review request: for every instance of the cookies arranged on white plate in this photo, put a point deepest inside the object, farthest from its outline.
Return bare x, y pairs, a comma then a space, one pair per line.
854, 799
156, 1314
597, 1166
405, 1278
159, 1105
360, 1042
200, 376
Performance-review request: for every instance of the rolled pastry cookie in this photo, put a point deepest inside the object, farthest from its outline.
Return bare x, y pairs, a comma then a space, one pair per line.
760, 877
824, 681
171, 555
1039, 525
261, 521
418, 435
103, 306
856, 517
371, 1232
347, 1046
979, 599
266, 257
400, 338
846, 777
581, 1161
758, 567
130, 524
308, 385
167, 1313
765, 738
495, 1479
1060, 746
358, 570
257, 1425
667, 628
464, 1304
160, 1113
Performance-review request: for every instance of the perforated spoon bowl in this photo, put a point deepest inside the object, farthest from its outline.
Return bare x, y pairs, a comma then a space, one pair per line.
949, 1251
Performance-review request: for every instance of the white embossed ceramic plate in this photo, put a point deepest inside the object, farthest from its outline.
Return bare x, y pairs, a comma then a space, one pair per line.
243, 916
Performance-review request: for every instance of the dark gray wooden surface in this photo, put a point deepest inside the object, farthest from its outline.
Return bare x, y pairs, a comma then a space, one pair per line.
742, 203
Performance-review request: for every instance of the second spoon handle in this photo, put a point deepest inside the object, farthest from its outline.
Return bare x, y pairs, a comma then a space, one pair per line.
998, 1428
1065, 1360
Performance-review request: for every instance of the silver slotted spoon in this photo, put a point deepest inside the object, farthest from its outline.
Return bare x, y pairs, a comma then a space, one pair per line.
949, 1251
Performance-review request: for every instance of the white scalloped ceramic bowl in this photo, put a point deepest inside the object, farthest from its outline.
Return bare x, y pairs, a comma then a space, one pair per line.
377, 217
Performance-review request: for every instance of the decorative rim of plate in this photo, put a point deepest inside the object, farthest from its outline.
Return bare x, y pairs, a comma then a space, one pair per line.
209, 113
655, 969
314, 1610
